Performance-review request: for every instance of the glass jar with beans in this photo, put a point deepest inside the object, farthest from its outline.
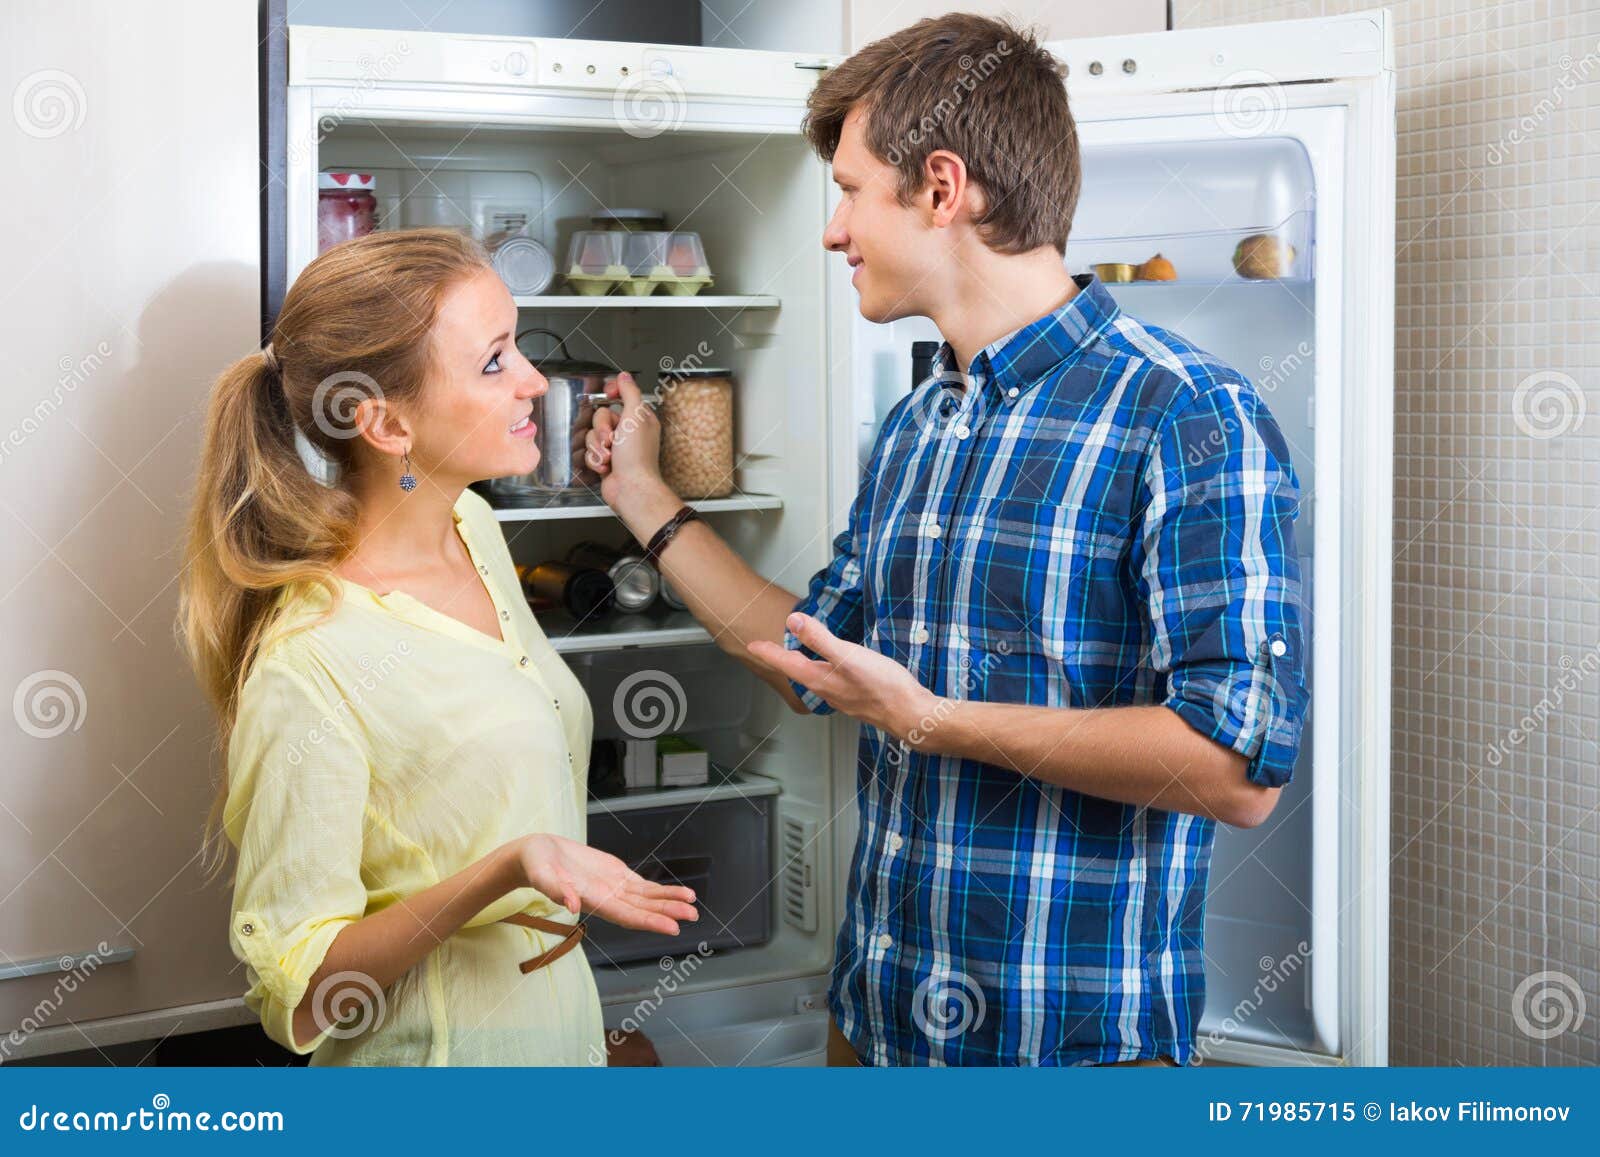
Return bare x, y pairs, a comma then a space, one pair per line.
696, 411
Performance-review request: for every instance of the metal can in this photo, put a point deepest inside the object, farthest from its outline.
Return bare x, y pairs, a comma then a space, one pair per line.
636, 582
670, 596
581, 591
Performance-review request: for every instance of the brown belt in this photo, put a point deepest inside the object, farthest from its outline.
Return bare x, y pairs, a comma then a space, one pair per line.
571, 935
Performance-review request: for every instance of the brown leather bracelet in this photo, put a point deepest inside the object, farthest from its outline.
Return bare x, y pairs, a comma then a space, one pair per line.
658, 540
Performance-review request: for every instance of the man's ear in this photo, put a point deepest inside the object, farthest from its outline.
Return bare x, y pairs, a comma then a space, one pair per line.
945, 180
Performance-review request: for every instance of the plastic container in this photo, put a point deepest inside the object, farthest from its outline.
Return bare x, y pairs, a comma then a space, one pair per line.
346, 207
720, 848
686, 257
594, 261
696, 411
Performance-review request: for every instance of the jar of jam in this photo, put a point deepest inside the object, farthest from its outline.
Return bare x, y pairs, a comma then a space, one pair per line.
346, 207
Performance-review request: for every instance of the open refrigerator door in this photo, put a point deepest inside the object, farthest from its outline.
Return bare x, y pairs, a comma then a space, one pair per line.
1238, 189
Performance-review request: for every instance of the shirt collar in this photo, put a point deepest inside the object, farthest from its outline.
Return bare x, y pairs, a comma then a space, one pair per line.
1021, 359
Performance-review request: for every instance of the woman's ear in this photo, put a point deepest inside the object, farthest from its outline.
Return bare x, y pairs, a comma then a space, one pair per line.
383, 427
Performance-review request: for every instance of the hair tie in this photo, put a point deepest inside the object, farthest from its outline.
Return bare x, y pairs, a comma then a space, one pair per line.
271, 359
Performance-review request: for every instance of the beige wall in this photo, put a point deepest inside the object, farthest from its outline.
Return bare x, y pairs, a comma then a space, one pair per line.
1496, 868
128, 219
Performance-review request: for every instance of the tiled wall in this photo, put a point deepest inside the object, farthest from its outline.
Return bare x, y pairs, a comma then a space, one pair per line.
1496, 859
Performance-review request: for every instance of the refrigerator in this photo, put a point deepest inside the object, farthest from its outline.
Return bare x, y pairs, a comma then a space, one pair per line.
1200, 146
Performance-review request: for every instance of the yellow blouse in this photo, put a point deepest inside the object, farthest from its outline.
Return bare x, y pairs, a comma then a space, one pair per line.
376, 753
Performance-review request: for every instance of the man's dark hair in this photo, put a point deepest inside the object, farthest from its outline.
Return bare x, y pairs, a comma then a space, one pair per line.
984, 90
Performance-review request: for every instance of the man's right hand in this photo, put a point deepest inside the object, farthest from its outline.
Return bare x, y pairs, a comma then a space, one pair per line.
625, 449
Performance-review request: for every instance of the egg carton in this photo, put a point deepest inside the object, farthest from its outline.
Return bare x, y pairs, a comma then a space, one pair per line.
600, 284
637, 264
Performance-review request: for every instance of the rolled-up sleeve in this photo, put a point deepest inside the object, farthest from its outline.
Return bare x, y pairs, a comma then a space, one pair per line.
1216, 563
296, 807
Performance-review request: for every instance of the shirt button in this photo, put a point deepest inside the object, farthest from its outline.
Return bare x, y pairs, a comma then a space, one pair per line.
504, 615
896, 841
557, 704
963, 431
933, 530
246, 929
523, 662
483, 569
1013, 392
1279, 648
885, 941
920, 635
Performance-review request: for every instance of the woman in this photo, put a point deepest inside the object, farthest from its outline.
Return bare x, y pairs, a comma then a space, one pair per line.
406, 753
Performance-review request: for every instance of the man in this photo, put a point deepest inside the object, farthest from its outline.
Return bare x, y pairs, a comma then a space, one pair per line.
1064, 608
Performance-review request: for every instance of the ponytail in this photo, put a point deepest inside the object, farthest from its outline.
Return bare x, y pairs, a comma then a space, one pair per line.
261, 521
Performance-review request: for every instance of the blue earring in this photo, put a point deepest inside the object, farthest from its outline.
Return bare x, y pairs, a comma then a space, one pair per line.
408, 480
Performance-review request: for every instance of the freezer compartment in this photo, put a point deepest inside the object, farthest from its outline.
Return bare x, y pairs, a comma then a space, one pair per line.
722, 849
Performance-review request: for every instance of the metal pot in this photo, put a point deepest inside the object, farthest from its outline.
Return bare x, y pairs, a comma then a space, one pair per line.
563, 416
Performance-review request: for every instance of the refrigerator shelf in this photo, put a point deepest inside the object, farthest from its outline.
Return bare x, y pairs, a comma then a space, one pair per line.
583, 506
657, 627
732, 785
704, 301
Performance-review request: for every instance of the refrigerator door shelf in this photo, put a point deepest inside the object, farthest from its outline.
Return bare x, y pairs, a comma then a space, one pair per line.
1280, 252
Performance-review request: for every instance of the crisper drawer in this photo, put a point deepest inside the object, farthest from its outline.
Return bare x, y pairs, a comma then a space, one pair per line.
721, 848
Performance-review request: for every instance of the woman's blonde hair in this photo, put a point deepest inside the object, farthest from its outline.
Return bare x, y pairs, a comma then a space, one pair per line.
357, 322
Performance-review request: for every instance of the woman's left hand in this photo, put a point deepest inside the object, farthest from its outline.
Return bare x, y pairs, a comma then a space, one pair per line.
585, 879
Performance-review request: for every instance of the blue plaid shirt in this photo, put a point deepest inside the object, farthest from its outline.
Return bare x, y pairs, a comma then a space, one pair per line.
1103, 517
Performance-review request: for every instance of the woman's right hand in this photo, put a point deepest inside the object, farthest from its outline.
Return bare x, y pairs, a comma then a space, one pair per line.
585, 879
